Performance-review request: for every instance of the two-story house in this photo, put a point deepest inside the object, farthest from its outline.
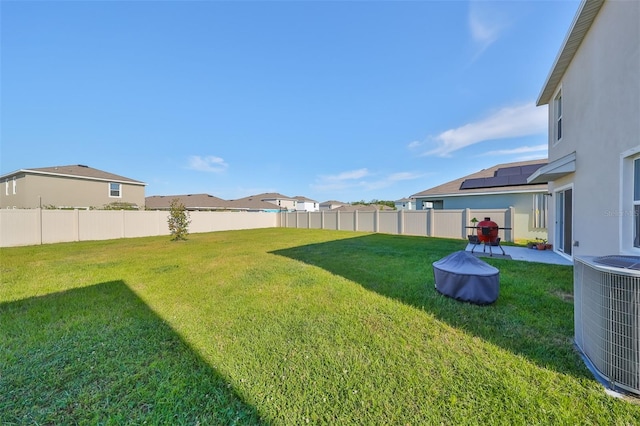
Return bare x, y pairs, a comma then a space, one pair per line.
593, 98
74, 186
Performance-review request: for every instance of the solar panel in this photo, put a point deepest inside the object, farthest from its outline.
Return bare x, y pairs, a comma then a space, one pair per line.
506, 176
508, 171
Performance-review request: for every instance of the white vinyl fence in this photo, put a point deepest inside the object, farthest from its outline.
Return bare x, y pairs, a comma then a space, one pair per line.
429, 223
37, 226
22, 227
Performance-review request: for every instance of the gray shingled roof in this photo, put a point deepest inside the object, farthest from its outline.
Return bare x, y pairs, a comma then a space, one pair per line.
362, 207
266, 196
80, 171
251, 203
453, 187
304, 199
190, 201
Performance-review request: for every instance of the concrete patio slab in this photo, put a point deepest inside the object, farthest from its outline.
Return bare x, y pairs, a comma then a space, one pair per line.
525, 254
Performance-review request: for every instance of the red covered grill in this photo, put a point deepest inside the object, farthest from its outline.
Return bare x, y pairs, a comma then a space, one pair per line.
486, 234
487, 231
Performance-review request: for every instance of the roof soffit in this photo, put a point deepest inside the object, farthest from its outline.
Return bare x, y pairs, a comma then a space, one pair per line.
585, 16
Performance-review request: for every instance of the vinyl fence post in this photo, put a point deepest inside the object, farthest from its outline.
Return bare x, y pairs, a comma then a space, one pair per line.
76, 225
430, 222
510, 223
39, 225
466, 217
376, 221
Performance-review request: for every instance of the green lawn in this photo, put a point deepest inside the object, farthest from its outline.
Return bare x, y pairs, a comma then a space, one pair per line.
285, 326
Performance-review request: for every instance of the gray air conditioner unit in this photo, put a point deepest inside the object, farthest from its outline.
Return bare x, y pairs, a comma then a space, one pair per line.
607, 318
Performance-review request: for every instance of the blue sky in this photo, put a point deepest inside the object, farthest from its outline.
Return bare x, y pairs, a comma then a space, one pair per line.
332, 100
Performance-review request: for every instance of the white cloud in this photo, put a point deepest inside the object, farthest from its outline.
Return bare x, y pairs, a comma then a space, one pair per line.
520, 150
486, 21
208, 163
395, 177
509, 122
341, 181
356, 179
350, 175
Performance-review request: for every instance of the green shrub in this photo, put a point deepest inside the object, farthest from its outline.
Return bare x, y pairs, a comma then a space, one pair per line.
178, 220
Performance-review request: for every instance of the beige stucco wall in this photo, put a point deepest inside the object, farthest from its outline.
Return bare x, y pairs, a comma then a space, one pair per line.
601, 106
35, 190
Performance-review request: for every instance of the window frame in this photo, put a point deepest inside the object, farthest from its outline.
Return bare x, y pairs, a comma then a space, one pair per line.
540, 211
111, 191
15, 186
557, 117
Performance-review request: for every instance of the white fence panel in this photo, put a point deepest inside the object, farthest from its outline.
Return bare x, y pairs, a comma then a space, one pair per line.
302, 219
330, 220
366, 221
389, 222
348, 221
59, 226
415, 222
315, 220
100, 225
448, 224
19, 227
145, 223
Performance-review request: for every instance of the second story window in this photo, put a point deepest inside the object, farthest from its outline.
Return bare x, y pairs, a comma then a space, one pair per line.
15, 186
114, 190
557, 108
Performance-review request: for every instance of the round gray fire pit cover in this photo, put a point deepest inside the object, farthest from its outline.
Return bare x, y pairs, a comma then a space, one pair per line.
464, 277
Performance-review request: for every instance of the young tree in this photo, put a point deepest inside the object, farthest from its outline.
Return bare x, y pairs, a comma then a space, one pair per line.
178, 220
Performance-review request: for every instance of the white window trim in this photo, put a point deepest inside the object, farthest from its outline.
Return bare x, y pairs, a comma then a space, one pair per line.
15, 186
556, 118
555, 219
119, 189
626, 211
6, 187
540, 211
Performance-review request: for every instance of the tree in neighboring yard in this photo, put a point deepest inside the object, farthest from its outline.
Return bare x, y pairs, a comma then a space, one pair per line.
178, 220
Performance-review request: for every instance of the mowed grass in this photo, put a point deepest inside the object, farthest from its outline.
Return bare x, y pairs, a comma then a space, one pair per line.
285, 326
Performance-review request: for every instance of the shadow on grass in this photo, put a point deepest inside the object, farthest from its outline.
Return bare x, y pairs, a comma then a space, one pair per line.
532, 317
99, 355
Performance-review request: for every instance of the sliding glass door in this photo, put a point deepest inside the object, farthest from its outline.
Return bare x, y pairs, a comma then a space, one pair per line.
564, 221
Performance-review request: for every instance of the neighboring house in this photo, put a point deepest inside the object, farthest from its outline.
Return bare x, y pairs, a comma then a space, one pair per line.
253, 204
405, 204
331, 204
201, 202
363, 207
206, 202
281, 201
498, 187
304, 204
74, 186
593, 94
